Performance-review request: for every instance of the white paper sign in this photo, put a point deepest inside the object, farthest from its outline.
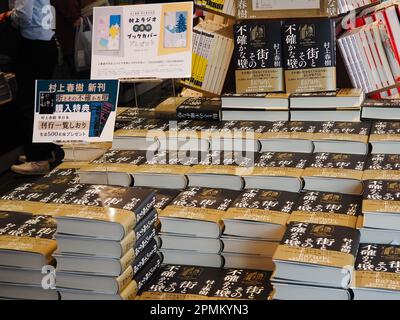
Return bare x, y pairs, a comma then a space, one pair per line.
142, 41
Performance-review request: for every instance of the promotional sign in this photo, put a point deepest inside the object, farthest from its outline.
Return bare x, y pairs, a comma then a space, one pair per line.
142, 41
80, 110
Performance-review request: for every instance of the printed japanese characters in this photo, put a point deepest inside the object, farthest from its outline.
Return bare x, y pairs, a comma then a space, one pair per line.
258, 57
174, 282
309, 55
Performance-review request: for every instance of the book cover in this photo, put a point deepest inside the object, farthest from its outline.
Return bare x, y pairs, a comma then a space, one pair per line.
174, 282
318, 244
258, 56
28, 233
290, 130
383, 167
200, 204
327, 208
385, 131
381, 196
336, 165
287, 164
377, 267
200, 108
309, 55
268, 206
343, 131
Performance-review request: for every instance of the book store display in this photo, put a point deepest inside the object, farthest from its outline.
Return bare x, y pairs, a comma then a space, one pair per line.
273, 174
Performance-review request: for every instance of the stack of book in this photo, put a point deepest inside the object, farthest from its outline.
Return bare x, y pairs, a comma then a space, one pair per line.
316, 256
26, 263
206, 283
385, 137
388, 109
191, 226
254, 226
255, 107
106, 246
342, 105
335, 172
349, 5
381, 205
315, 261
376, 275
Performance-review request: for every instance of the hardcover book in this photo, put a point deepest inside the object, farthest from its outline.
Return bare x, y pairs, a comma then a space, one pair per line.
342, 137
222, 169
26, 240
277, 170
309, 55
199, 283
317, 253
259, 213
258, 57
381, 205
382, 167
197, 211
376, 273
335, 172
327, 208
202, 108
385, 137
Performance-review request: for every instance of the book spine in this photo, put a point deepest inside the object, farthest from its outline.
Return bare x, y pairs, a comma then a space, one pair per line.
148, 271
146, 239
150, 250
146, 209
350, 67
146, 224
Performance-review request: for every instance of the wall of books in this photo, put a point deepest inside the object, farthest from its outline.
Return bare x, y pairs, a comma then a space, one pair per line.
273, 174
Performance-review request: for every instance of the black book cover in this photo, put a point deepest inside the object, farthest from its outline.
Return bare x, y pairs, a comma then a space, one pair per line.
142, 126
381, 196
139, 201
328, 208
201, 108
133, 157
28, 233
378, 267
385, 103
243, 129
319, 244
345, 131
19, 193
193, 282
385, 131
229, 158
336, 165
164, 197
147, 253
142, 243
148, 271
281, 164
382, 166
200, 204
290, 130
309, 55
258, 56
146, 224
269, 206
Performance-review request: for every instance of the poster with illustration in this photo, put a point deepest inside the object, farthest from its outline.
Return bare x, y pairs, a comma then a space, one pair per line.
175, 29
109, 32
142, 41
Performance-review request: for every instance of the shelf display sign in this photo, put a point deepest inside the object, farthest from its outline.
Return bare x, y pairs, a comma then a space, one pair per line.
81, 110
142, 41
